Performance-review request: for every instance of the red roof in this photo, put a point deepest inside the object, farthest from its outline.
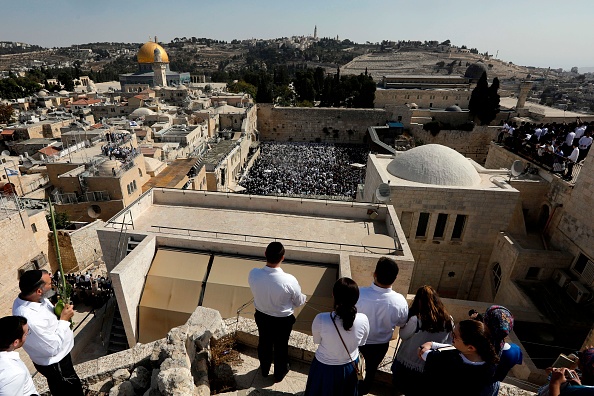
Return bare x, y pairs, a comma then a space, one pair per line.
49, 151
8, 132
86, 102
142, 97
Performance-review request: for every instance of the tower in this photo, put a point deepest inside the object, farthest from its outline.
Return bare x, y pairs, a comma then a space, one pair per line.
315, 32
525, 87
159, 68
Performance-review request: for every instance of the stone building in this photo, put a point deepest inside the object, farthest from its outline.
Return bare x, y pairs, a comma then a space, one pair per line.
98, 188
23, 246
451, 210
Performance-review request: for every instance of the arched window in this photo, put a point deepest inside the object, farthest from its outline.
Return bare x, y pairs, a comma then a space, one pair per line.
496, 277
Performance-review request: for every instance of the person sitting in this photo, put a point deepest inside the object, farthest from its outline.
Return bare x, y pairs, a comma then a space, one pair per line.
339, 335
464, 370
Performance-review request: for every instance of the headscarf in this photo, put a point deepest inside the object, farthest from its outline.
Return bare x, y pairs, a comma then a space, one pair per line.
587, 366
500, 322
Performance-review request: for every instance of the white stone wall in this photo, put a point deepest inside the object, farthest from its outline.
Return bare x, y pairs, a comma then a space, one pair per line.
128, 279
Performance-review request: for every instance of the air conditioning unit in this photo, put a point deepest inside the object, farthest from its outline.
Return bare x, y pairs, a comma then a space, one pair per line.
561, 277
577, 291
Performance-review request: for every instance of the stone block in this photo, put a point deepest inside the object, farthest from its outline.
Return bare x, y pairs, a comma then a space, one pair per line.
140, 379
107, 365
119, 376
175, 381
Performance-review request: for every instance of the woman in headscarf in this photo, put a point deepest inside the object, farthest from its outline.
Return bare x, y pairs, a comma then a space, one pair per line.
500, 322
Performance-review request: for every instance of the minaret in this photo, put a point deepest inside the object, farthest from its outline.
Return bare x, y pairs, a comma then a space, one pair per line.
315, 32
159, 68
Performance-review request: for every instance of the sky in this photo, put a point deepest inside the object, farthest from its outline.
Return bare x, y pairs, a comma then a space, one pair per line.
543, 33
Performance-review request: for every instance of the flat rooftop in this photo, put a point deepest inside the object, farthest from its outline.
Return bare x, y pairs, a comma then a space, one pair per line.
265, 225
219, 151
172, 175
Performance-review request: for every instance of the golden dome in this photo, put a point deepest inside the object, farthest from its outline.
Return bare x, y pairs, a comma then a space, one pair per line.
146, 53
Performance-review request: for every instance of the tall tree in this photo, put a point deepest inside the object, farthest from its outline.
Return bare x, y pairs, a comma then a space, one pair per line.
484, 100
6, 112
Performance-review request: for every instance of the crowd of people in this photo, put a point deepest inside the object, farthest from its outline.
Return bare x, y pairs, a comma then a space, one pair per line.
316, 169
93, 291
437, 355
556, 146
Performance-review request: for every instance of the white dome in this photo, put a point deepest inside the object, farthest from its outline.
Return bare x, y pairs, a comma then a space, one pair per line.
42, 93
434, 164
142, 111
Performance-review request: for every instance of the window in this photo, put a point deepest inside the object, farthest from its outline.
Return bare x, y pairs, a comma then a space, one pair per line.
585, 267
422, 225
33, 227
533, 273
440, 226
459, 226
496, 277
134, 185
406, 222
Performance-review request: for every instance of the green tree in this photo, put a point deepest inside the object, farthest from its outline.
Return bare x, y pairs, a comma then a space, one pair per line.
6, 112
484, 100
242, 86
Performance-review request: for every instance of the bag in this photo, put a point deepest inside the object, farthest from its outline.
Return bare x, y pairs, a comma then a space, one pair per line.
361, 371
360, 366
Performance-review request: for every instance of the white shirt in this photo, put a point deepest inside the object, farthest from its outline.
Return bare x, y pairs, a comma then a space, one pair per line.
49, 339
574, 155
276, 293
569, 138
579, 131
585, 142
330, 350
385, 309
15, 379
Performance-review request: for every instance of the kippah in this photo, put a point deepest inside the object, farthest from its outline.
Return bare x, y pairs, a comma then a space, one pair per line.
30, 281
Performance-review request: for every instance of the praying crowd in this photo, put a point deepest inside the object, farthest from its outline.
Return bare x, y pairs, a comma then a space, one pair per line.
90, 290
557, 147
113, 148
306, 169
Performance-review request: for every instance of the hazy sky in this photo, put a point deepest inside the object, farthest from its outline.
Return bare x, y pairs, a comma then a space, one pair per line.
526, 32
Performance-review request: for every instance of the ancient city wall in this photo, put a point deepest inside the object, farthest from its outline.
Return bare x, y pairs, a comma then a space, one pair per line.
306, 124
472, 144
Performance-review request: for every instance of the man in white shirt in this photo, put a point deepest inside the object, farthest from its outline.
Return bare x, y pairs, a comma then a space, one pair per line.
572, 160
50, 340
15, 379
385, 310
276, 295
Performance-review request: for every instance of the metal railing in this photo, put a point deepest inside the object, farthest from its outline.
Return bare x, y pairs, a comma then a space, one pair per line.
287, 241
524, 151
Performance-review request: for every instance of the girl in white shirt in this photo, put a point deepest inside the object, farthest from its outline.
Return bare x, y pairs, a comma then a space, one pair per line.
332, 371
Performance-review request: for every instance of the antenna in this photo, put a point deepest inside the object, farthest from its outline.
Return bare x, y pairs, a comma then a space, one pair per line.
382, 193
516, 169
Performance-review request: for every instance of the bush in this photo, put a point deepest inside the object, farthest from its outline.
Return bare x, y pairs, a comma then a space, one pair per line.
433, 127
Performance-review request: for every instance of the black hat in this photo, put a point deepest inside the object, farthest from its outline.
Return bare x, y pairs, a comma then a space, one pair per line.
31, 281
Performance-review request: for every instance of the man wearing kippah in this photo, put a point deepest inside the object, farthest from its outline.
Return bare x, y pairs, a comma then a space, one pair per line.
50, 340
15, 379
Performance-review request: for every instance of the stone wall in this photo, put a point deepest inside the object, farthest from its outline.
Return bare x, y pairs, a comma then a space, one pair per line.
471, 144
176, 365
132, 273
306, 124
78, 249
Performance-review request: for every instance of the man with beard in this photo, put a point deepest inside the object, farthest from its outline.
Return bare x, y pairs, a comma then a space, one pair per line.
50, 339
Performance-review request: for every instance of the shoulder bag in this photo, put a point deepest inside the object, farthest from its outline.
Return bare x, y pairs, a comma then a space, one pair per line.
360, 366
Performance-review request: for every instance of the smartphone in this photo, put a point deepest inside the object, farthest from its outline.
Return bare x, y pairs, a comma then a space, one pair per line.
563, 361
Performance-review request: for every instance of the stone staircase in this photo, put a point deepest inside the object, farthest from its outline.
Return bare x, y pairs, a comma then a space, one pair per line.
117, 338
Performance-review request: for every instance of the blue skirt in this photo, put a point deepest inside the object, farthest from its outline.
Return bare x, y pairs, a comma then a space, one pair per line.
325, 380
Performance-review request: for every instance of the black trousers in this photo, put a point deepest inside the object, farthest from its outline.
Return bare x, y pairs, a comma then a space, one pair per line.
373, 354
273, 342
61, 378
